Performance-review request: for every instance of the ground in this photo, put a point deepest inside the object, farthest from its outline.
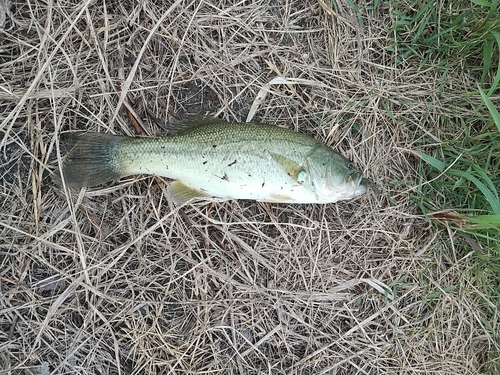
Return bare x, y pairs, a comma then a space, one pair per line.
117, 280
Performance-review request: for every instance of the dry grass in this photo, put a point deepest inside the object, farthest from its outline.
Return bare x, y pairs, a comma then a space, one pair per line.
115, 280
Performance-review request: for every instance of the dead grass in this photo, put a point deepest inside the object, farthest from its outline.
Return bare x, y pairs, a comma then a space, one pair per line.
115, 280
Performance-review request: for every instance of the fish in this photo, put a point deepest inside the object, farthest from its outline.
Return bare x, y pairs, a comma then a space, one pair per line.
212, 158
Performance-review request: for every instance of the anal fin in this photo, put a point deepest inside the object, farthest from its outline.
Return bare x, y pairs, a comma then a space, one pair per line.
180, 193
278, 198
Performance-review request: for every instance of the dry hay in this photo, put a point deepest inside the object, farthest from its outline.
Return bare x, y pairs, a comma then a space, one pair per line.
115, 280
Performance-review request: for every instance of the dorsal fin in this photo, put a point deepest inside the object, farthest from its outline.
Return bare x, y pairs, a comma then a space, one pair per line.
188, 123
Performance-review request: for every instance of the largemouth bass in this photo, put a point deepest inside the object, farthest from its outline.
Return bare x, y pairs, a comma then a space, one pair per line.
218, 159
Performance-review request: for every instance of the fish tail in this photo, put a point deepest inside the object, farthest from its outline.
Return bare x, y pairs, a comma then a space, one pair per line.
89, 159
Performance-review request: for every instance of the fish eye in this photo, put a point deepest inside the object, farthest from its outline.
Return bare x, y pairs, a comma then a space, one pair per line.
349, 164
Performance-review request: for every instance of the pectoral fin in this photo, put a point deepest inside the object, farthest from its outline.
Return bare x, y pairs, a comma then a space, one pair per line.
294, 170
180, 193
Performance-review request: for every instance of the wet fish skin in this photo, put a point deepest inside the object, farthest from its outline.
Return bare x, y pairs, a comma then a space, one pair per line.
218, 159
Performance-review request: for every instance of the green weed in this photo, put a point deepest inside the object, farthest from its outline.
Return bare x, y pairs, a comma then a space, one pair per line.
460, 178
461, 185
437, 33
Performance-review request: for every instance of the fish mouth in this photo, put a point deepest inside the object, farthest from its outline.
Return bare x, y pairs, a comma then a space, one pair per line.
364, 184
353, 186
361, 184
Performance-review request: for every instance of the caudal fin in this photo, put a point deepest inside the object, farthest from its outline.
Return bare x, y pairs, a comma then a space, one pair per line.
89, 159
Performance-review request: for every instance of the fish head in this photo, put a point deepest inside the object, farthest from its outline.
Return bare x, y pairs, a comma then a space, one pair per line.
334, 177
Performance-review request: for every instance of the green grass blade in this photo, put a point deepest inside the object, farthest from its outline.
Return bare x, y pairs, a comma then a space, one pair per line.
358, 13
483, 3
494, 112
490, 197
487, 54
439, 165
484, 221
486, 178
494, 85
